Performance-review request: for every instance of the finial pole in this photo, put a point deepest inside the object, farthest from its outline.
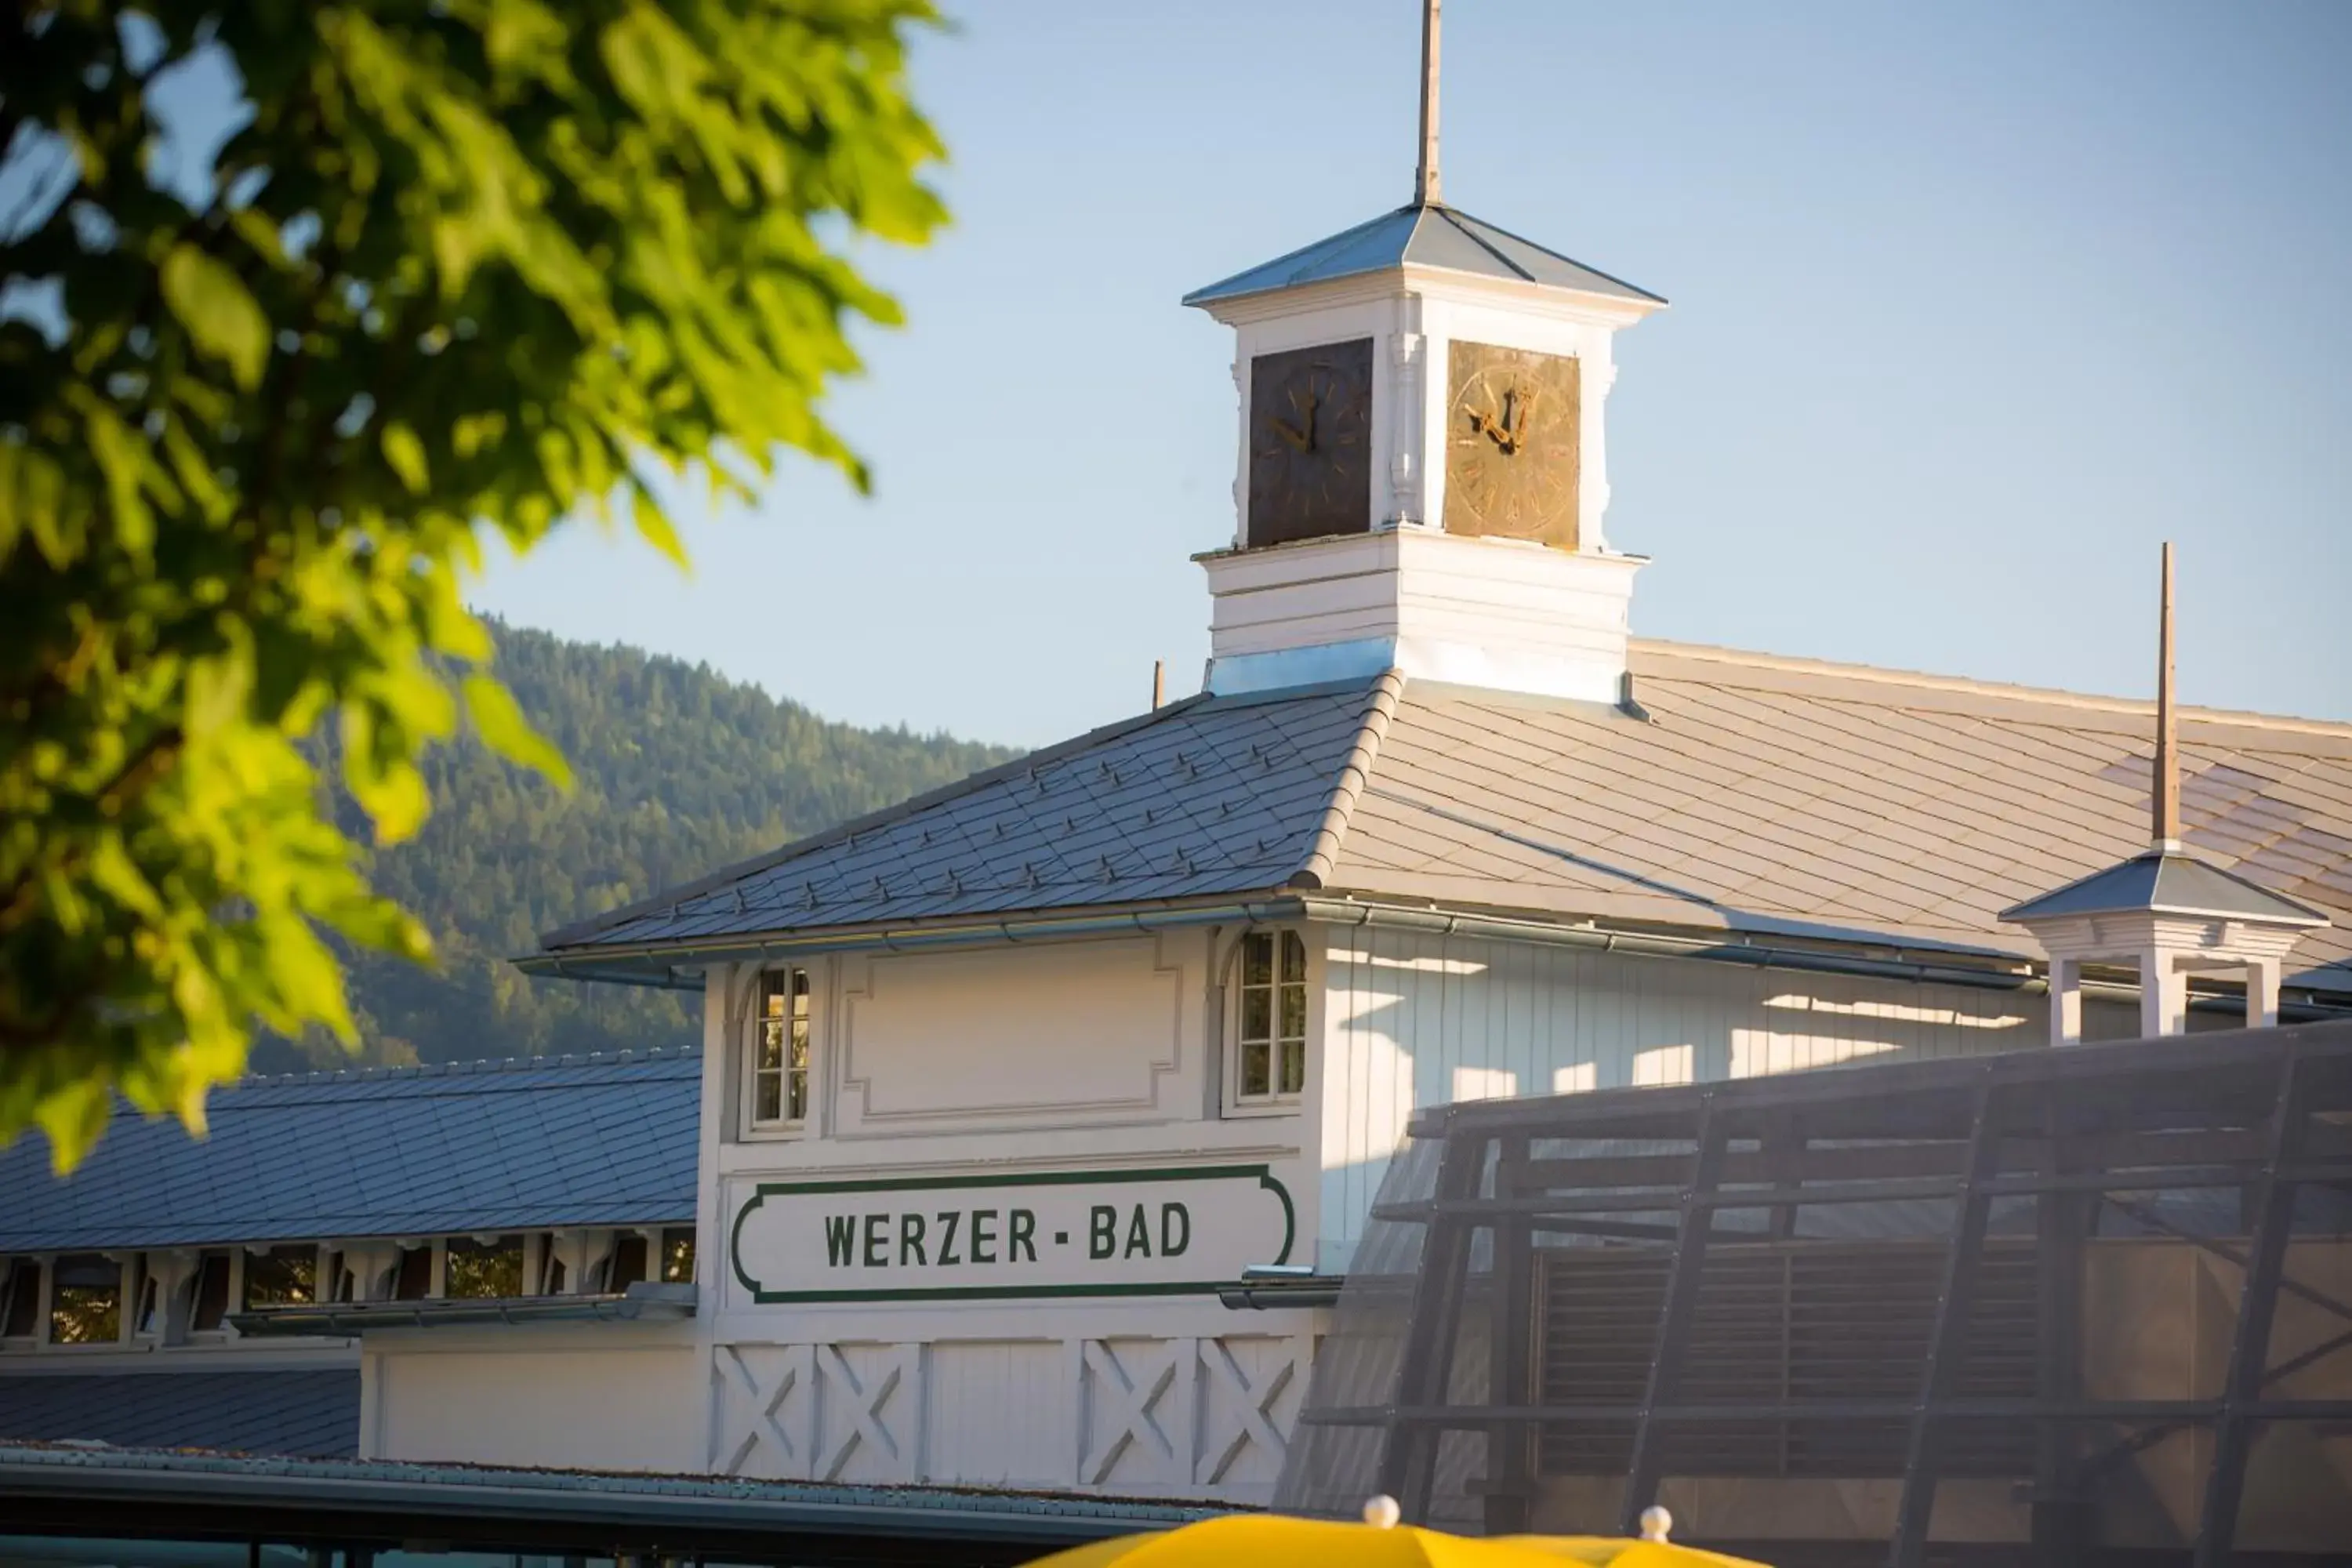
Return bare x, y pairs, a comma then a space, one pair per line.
2165, 797
1425, 187
1159, 684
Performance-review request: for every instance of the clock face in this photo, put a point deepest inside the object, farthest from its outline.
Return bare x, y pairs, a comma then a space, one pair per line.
1511, 443
1310, 440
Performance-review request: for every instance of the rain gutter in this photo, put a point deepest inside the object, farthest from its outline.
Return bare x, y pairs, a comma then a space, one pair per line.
636, 965
343, 1320
1744, 950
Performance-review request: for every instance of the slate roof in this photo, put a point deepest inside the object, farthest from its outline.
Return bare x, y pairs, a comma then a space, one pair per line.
1758, 795
314, 1414
1766, 792
1205, 797
490, 1146
2156, 882
1435, 237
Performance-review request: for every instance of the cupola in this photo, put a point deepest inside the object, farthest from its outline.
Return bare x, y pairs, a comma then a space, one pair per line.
2164, 911
1422, 474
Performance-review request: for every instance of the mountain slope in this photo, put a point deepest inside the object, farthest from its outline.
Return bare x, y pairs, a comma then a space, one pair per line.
676, 771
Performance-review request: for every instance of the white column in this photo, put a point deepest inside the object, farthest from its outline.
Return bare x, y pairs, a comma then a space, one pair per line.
2065, 1002
2263, 976
2163, 996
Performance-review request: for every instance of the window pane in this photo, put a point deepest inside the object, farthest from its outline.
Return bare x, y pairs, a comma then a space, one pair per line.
86, 1300
771, 1046
796, 1101
1257, 1015
480, 1272
1294, 958
775, 996
1255, 1067
282, 1277
1294, 1011
211, 1292
414, 1280
1293, 1066
1257, 958
768, 1097
677, 1257
799, 994
628, 1263
20, 1305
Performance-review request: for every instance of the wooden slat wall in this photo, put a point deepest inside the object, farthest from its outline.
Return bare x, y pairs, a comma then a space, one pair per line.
1416, 1020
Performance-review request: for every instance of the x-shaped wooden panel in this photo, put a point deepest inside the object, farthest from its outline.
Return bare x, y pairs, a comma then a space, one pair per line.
1253, 1407
1135, 1397
758, 1422
865, 1407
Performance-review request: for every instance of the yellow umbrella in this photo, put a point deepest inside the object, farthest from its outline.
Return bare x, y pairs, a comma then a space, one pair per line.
1238, 1539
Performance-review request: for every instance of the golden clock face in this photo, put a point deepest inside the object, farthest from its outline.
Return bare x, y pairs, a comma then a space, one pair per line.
1511, 443
1310, 418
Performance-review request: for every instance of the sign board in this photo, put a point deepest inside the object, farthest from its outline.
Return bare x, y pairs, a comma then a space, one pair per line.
1173, 1232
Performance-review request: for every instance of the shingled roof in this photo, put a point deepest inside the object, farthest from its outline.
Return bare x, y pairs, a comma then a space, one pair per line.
486, 1146
1754, 794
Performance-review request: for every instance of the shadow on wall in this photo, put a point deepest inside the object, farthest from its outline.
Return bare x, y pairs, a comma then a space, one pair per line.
1419, 1021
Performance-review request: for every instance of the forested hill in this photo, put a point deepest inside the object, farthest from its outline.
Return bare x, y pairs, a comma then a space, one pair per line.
676, 771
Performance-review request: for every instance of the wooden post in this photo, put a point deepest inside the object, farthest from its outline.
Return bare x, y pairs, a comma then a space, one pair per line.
2165, 794
1683, 1275
1426, 186
1159, 684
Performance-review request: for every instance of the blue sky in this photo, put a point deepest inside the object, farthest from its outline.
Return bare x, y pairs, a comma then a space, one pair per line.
1972, 304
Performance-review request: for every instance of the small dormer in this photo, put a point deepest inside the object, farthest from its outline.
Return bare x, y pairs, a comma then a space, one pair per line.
1422, 481
2164, 911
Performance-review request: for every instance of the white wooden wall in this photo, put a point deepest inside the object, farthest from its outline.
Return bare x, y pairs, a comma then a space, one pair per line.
1102, 1399
1417, 1020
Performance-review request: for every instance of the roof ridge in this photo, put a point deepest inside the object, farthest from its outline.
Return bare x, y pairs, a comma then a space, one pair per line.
1455, 220
1547, 250
1355, 773
1792, 664
579, 930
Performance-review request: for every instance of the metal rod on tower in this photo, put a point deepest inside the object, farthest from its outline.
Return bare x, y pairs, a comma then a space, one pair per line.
1425, 188
2165, 796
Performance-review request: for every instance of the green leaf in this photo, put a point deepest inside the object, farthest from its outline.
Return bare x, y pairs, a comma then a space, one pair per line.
218, 313
405, 453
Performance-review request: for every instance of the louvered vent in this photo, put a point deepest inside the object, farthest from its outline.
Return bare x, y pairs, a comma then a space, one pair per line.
1776, 1325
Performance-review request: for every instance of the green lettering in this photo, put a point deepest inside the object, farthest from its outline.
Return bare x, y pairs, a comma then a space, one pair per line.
947, 1223
877, 1241
1023, 1236
910, 1238
1175, 1230
984, 1235
840, 1239
1138, 1235
1102, 1231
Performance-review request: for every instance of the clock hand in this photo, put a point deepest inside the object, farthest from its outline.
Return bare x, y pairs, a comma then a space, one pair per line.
1301, 440
1519, 427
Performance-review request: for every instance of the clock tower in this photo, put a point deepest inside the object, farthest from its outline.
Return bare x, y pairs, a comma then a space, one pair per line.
1423, 475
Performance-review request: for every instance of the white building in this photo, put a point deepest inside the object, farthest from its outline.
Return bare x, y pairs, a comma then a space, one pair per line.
1003, 1090
1002, 1084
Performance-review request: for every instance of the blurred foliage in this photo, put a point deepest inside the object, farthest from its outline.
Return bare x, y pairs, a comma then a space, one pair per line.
676, 772
457, 265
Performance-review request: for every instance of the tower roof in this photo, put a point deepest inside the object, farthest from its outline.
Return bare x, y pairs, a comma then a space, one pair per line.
1417, 235
2166, 882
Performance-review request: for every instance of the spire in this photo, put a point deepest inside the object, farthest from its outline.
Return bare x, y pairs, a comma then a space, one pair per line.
1424, 186
2164, 793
